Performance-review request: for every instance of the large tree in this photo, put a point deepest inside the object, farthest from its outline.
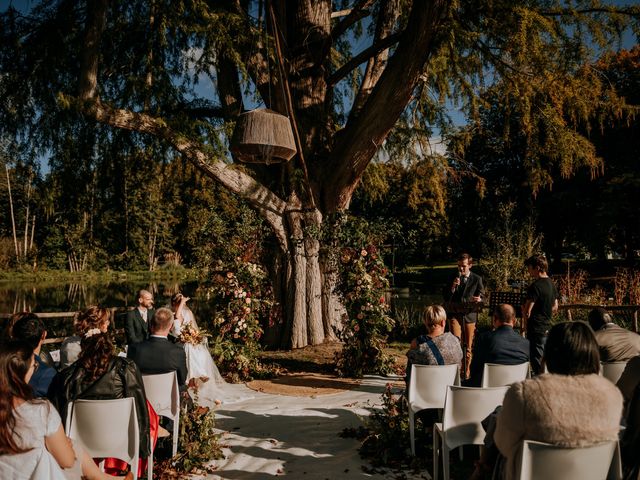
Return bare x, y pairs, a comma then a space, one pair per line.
135, 65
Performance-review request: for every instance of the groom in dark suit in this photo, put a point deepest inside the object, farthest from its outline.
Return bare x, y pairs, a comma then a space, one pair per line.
136, 326
464, 287
157, 354
502, 345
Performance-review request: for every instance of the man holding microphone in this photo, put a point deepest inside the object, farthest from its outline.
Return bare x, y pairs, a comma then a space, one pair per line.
464, 287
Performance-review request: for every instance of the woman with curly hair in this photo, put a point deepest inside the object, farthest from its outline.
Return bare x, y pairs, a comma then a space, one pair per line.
32, 441
99, 374
92, 317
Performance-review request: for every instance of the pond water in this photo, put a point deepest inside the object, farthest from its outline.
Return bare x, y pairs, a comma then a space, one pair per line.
54, 296
63, 296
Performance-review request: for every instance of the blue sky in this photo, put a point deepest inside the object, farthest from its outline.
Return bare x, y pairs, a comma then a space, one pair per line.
206, 88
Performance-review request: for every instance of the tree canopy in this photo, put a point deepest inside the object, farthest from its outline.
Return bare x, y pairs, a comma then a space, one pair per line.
145, 81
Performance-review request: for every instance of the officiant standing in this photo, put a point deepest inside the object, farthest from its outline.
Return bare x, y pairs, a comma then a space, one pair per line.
463, 289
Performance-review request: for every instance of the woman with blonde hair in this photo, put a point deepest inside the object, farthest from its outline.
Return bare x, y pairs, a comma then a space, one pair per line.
32, 441
437, 347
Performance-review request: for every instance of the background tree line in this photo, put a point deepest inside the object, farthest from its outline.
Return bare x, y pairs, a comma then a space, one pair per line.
106, 87
120, 208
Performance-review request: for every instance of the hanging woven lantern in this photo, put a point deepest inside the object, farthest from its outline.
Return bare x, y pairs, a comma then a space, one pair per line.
263, 136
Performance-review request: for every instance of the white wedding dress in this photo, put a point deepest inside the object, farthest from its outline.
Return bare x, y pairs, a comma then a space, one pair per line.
212, 388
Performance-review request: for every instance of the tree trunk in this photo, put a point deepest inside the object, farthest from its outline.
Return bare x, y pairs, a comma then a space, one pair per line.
303, 283
332, 307
13, 218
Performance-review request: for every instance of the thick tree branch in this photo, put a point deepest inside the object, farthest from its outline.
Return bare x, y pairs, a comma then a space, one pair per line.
340, 13
571, 12
358, 12
200, 112
364, 55
96, 20
229, 90
255, 57
271, 207
387, 17
356, 144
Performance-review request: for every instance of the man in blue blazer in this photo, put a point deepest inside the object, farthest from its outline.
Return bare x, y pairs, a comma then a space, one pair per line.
502, 345
157, 354
136, 325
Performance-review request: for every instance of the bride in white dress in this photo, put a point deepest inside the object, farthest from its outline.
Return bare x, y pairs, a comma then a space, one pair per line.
203, 373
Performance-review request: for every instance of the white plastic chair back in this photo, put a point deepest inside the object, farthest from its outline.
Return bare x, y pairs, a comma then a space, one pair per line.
106, 428
542, 461
464, 410
612, 370
496, 375
164, 395
428, 385
427, 389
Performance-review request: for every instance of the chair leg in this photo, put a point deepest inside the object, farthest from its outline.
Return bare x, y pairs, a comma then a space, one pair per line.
412, 433
436, 446
445, 460
150, 467
135, 465
176, 432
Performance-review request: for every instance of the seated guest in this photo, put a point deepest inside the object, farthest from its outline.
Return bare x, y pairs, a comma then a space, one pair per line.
32, 441
502, 345
92, 317
616, 344
29, 328
99, 374
572, 406
629, 380
630, 441
437, 347
158, 354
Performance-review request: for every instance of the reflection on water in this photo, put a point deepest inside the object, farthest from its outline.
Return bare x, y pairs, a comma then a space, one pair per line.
71, 297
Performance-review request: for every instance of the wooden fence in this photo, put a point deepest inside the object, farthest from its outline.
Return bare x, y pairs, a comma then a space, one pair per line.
113, 312
630, 313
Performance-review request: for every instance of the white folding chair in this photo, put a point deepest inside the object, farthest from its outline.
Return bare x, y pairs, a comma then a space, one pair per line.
427, 389
164, 395
464, 410
612, 370
542, 461
106, 428
496, 375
